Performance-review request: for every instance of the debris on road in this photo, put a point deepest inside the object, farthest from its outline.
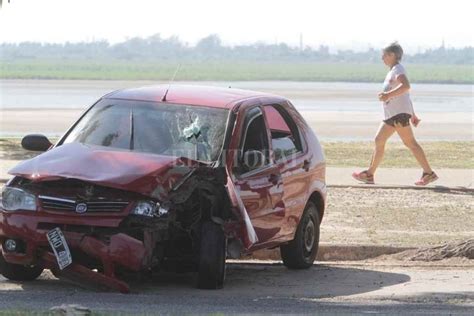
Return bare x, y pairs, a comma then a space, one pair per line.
70, 310
464, 249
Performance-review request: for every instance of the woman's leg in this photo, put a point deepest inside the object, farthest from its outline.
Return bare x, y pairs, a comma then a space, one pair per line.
383, 134
406, 134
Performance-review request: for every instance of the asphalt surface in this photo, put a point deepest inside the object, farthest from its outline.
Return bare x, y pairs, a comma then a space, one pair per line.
267, 289
403, 177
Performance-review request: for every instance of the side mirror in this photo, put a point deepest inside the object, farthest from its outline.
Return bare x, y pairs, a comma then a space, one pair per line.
253, 159
35, 142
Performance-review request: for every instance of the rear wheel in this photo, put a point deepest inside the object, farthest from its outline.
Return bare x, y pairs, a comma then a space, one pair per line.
211, 272
301, 252
17, 272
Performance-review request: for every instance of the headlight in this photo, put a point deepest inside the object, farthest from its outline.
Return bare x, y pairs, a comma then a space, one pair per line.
149, 208
145, 208
16, 199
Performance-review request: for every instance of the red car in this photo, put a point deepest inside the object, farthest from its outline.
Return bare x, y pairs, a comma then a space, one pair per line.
178, 177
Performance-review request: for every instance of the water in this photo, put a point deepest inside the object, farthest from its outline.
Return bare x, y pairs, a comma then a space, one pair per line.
309, 96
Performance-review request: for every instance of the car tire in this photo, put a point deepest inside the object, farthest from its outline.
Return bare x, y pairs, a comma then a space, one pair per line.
17, 272
212, 255
301, 252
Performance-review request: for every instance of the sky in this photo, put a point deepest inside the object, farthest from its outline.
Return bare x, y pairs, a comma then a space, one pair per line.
357, 25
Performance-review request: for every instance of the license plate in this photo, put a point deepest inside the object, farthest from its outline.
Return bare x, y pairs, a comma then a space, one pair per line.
59, 245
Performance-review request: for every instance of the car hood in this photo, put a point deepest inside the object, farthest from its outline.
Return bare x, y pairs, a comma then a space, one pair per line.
149, 174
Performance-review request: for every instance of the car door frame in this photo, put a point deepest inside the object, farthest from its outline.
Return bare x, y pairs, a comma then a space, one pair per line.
294, 172
276, 213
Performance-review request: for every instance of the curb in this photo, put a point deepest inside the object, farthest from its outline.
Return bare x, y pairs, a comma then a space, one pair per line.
336, 252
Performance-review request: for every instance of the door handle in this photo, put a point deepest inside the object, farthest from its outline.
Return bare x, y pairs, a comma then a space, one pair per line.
306, 164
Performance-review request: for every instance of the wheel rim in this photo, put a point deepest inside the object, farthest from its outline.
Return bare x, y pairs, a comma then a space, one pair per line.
309, 236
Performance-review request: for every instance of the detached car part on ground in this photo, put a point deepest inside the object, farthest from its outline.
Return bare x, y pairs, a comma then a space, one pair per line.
149, 179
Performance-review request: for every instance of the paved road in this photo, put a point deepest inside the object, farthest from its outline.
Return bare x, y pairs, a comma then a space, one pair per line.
402, 177
269, 288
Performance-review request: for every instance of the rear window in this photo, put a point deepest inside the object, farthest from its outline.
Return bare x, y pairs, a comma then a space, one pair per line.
285, 135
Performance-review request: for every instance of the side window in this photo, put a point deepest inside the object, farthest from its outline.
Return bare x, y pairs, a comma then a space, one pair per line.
254, 137
285, 135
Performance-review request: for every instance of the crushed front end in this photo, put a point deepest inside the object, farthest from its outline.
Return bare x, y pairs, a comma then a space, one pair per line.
111, 231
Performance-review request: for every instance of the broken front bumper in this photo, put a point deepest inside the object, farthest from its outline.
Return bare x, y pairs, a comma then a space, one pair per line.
29, 230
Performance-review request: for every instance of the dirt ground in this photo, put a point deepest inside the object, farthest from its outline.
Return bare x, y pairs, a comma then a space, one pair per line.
397, 217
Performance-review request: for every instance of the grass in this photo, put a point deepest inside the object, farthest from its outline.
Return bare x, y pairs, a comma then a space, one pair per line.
225, 71
457, 155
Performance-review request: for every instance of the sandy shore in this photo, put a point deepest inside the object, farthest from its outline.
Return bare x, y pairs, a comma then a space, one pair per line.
363, 126
47, 121
334, 125
336, 110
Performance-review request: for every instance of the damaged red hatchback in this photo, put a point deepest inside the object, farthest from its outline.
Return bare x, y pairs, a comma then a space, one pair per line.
155, 179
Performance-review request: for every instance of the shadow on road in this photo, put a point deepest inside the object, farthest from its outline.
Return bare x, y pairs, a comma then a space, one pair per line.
246, 285
256, 280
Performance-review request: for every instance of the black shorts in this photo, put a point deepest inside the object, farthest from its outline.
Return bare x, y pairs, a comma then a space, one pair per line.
402, 119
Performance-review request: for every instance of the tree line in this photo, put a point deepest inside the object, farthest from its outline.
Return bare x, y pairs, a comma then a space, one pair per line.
211, 47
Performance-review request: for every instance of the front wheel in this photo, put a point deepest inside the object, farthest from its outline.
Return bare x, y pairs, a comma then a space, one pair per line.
212, 255
301, 252
17, 272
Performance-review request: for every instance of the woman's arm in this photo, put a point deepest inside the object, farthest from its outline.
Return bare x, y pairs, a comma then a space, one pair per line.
402, 88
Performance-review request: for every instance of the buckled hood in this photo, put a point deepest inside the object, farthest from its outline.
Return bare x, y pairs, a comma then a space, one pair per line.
149, 174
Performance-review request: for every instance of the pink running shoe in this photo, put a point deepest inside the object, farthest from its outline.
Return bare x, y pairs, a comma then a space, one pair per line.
364, 177
427, 178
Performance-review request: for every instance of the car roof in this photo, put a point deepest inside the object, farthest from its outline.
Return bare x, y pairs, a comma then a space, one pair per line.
211, 96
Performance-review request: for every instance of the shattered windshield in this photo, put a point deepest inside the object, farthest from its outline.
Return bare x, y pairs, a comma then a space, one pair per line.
173, 130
